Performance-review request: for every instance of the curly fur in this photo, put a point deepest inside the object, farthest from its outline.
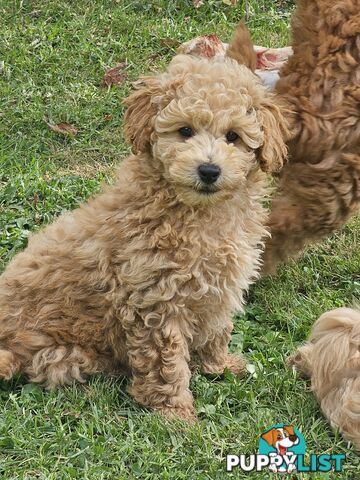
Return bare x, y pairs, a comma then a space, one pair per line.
319, 188
331, 359
150, 271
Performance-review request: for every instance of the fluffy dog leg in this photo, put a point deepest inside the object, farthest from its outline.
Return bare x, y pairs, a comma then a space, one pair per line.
312, 202
214, 356
301, 360
159, 362
43, 360
18, 348
63, 364
9, 364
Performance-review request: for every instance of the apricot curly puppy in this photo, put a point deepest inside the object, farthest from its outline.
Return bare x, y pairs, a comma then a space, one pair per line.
331, 359
150, 271
319, 188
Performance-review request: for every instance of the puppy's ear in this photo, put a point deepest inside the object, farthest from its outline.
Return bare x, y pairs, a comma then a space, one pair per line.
143, 105
289, 429
241, 47
270, 436
273, 152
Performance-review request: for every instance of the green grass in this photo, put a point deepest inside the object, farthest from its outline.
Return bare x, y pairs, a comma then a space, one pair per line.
53, 56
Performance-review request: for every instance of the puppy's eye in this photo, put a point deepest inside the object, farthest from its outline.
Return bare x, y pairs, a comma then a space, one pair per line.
231, 136
186, 132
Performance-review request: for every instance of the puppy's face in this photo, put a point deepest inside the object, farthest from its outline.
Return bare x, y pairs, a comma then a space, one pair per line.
210, 124
207, 143
281, 438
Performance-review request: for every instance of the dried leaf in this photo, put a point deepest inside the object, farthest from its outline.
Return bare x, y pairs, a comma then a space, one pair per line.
115, 76
230, 2
63, 128
198, 3
36, 199
169, 42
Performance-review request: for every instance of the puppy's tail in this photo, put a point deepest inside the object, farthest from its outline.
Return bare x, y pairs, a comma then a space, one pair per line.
241, 47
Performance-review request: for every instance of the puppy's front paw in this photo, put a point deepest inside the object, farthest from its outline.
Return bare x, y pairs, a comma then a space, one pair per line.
300, 361
294, 361
273, 468
233, 362
187, 414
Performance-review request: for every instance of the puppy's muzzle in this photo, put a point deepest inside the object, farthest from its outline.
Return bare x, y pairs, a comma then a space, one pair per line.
208, 173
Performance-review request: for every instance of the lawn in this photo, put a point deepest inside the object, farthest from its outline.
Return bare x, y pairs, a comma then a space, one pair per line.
53, 56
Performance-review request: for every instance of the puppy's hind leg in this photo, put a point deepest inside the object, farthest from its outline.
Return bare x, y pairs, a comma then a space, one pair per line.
9, 364
17, 349
43, 360
58, 365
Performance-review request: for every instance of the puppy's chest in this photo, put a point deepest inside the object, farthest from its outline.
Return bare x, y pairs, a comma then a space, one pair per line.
217, 276
213, 264
195, 266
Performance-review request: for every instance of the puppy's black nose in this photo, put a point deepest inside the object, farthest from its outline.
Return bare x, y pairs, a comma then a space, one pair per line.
208, 172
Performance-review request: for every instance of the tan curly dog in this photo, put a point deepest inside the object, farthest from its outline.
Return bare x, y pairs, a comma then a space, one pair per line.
331, 359
150, 271
319, 188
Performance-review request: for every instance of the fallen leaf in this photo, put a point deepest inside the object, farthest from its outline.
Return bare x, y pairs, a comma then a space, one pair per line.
108, 118
115, 76
230, 2
63, 128
36, 199
198, 3
169, 42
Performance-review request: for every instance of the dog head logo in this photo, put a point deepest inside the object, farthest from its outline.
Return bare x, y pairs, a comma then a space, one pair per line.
281, 438
283, 443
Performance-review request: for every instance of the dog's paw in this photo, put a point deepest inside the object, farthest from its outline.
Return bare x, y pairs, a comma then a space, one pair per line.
299, 361
233, 362
9, 364
293, 361
187, 414
273, 468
